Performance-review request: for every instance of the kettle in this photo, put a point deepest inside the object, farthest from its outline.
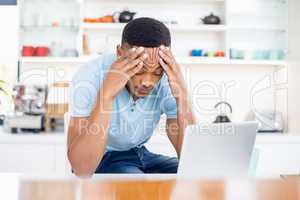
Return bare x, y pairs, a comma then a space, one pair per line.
211, 19
223, 118
124, 16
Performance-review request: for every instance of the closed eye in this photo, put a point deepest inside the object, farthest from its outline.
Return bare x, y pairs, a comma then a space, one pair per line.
158, 71
141, 71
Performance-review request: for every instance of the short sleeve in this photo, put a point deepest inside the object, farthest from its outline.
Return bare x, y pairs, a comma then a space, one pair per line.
84, 88
168, 102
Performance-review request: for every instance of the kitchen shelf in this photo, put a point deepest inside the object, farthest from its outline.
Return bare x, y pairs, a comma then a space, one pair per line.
40, 60
188, 60
119, 27
101, 37
256, 28
34, 28
159, 1
225, 61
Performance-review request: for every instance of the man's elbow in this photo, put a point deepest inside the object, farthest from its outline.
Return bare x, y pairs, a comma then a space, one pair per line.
81, 173
80, 168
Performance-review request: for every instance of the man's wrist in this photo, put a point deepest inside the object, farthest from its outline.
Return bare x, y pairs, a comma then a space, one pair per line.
182, 94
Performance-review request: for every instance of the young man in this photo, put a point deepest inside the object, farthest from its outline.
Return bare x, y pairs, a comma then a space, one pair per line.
116, 102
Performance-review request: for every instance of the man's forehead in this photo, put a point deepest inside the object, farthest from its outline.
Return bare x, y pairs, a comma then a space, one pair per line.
153, 58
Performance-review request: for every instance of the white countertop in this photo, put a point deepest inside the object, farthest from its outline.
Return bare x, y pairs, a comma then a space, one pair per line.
40, 138
60, 137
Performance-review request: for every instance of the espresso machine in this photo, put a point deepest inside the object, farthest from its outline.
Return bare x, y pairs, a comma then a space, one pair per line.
29, 109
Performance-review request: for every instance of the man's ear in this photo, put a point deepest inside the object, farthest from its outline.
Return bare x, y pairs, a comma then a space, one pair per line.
120, 51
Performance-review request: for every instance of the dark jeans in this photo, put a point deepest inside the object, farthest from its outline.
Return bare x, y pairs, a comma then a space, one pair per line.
136, 160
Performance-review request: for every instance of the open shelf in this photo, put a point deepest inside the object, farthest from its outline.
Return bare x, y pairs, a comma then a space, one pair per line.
119, 27
188, 34
188, 60
225, 61
158, 1
256, 28
37, 28
41, 60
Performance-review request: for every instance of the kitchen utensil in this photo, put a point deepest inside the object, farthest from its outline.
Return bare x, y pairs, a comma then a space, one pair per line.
56, 49
124, 16
28, 51
103, 19
196, 52
211, 54
70, 53
24, 122
211, 19
276, 54
106, 19
223, 118
220, 53
269, 121
262, 54
237, 54
41, 51
85, 44
258, 55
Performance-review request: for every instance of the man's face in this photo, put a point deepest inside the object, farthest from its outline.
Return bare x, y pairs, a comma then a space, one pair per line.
141, 84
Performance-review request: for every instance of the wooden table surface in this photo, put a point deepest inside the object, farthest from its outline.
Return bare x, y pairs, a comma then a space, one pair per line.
161, 189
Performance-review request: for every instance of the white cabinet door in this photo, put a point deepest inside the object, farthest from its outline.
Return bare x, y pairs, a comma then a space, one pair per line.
278, 159
27, 158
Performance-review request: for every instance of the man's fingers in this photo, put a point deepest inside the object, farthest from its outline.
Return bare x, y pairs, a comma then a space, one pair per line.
136, 53
165, 66
133, 63
135, 70
131, 55
166, 50
166, 58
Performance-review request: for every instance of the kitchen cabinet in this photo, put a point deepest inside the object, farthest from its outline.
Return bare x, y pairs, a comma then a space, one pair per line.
276, 159
29, 158
33, 153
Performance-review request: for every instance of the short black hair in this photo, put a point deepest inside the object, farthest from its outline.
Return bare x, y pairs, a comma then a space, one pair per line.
146, 32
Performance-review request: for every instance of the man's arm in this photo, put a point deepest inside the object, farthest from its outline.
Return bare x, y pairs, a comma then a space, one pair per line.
175, 127
87, 136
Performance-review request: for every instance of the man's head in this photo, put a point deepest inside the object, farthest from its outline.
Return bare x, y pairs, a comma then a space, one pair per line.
150, 34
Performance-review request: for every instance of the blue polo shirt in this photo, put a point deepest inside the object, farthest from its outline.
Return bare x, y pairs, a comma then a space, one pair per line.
132, 122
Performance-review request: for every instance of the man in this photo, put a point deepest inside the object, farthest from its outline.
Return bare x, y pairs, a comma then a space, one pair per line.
116, 102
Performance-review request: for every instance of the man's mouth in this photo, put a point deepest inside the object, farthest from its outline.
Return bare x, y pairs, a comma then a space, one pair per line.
143, 91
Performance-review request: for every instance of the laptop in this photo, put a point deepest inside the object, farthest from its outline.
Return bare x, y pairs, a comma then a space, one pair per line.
220, 150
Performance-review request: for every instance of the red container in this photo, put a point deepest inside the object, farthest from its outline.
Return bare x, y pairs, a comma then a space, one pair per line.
28, 51
220, 54
41, 51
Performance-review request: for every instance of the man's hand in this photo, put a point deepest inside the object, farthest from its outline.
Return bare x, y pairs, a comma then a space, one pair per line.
172, 69
185, 115
122, 70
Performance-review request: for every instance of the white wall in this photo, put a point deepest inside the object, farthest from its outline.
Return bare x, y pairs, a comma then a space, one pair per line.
294, 68
8, 41
8, 48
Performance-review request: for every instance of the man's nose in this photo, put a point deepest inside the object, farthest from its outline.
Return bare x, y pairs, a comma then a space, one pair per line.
147, 81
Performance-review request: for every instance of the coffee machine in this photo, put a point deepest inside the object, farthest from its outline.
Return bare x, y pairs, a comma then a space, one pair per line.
29, 109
